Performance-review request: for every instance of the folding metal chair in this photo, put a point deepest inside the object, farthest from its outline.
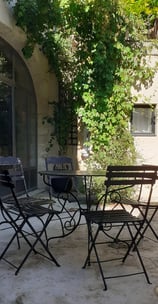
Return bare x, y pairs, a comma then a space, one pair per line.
107, 222
15, 168
137, 203
57, 163
61, 189
24, 218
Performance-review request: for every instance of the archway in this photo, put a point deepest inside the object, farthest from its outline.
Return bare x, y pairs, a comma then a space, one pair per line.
18, 113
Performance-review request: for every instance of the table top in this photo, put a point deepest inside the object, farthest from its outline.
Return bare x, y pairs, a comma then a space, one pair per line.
6, 166
73, 173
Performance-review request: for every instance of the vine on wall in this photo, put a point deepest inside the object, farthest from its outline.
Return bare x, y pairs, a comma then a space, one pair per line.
97, 51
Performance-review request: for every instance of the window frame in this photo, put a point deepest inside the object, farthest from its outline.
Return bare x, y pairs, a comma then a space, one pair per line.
152, 120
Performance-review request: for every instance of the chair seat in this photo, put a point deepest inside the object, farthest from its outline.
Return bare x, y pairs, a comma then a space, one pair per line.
110, 216
129, 201
100, 223
30, 209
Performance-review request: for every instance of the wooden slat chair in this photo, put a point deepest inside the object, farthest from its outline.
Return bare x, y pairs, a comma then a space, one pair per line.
23, 219
57, 163
15, 168
105, 222
62, 189
137, 203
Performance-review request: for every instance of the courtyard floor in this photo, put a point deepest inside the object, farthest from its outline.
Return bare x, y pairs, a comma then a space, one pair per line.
41, 282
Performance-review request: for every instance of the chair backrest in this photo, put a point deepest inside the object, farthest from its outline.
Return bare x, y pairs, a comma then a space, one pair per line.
59, 184
58, 163
7, 183
14, 166
120, 178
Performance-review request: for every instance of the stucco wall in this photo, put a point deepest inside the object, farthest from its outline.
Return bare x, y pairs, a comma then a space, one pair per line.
147, 146
45, 83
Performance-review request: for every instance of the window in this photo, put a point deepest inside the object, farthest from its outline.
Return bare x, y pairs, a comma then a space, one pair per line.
143, 120
18, 121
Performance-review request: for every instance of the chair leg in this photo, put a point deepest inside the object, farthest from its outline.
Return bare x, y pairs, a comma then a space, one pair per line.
32, 246
148, 225
17, 230
38, 239
92, 240
134, 245
37, 235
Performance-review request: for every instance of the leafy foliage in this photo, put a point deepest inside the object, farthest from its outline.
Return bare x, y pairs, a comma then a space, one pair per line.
145, 8
59, 130
97, 50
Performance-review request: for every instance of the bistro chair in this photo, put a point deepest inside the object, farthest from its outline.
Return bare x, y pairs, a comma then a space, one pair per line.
136, 204
61, 190
103, 224
15, 168
57, 163
18, 216
23, 218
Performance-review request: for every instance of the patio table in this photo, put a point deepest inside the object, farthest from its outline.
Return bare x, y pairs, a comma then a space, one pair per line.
87, 176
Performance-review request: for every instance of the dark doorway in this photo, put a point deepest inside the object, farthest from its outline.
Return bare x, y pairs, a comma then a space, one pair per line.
18, 114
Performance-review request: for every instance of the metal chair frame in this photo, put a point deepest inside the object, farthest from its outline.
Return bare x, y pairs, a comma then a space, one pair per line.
18, 216
102, 221
15, 168
57, 163
25, 213
138, 204
66, 202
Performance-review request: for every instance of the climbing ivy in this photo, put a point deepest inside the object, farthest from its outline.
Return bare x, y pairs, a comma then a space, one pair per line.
97, 50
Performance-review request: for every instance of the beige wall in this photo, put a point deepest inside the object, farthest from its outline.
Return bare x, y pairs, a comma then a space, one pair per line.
45, 83
147, 146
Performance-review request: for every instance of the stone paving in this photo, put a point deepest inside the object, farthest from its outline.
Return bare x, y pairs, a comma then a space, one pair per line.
41, 282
